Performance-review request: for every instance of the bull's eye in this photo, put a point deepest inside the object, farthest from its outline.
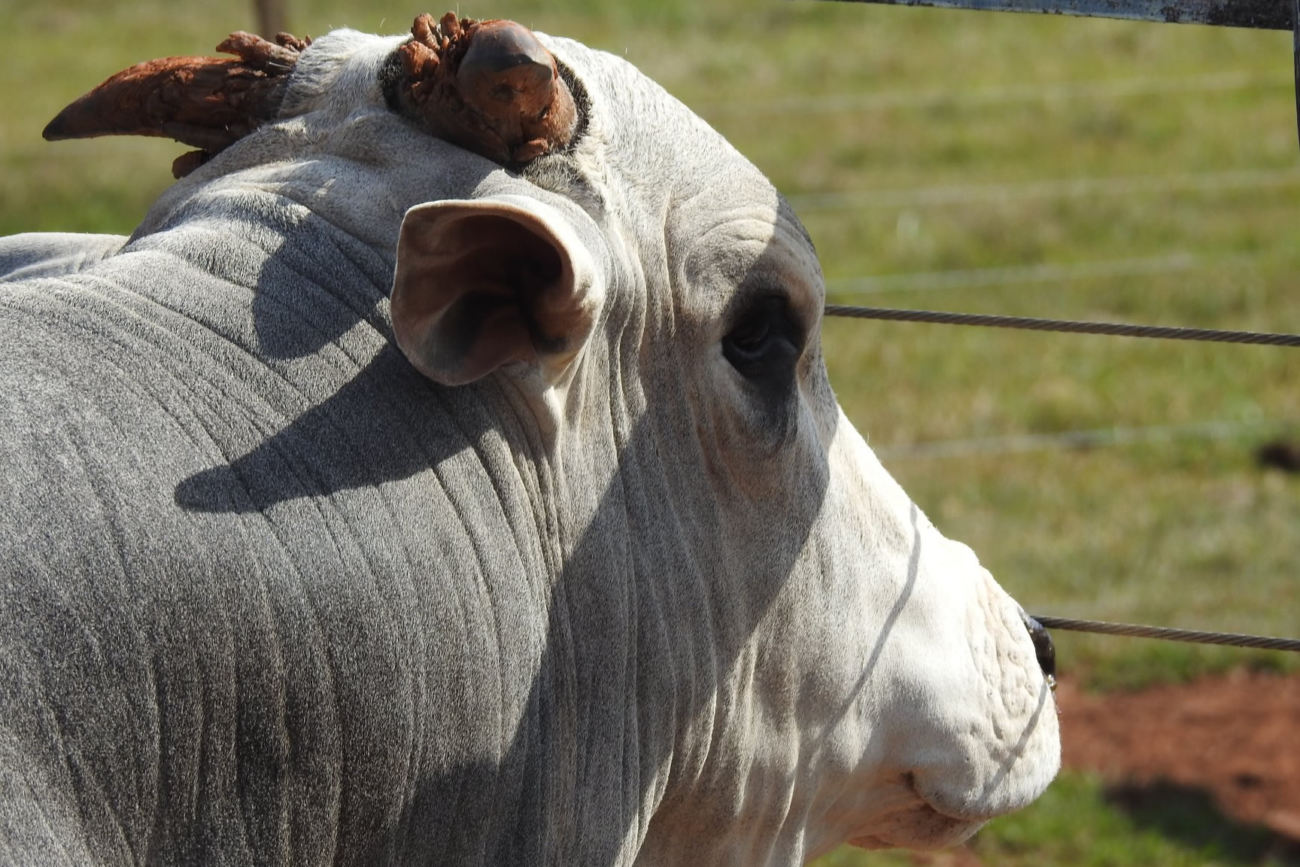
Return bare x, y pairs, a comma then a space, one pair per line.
764, 341
750, 339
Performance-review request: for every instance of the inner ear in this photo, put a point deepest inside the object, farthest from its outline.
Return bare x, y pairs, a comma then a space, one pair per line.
481, 284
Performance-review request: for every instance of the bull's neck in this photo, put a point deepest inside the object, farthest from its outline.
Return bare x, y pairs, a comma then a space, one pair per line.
637, 619
660, 617
263, 239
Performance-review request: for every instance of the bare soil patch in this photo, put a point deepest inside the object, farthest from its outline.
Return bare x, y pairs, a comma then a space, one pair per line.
1236, 738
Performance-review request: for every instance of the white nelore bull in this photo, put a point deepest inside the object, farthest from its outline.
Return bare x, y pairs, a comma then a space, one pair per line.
565, 556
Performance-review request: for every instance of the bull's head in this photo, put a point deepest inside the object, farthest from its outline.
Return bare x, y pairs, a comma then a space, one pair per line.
797, 656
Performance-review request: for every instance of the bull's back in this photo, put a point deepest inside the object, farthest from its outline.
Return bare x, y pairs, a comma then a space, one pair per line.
252, 608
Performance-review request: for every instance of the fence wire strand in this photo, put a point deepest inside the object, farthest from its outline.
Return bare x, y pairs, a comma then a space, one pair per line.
1162, 332
1230, 639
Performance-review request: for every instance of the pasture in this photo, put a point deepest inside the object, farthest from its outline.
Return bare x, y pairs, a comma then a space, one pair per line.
1037, 166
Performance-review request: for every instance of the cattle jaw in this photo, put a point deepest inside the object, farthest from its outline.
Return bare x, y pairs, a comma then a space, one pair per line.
918, 819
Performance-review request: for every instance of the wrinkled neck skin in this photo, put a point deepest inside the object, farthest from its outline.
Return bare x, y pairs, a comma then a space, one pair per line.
729, 686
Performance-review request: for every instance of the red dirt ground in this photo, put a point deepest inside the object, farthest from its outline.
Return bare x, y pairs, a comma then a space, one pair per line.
1236, 737
1232, 740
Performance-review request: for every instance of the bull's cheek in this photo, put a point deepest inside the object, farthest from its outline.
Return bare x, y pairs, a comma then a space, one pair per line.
774, 465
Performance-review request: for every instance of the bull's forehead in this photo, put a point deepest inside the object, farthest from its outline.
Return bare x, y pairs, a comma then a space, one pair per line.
340, 73
682, 185
723, 249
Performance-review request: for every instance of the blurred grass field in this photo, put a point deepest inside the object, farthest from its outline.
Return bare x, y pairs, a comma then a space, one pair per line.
1032, 165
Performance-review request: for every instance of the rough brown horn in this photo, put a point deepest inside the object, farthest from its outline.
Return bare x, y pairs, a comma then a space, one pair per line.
488, 86
207, 102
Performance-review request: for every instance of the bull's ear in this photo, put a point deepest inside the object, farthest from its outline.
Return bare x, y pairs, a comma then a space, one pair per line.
483, 283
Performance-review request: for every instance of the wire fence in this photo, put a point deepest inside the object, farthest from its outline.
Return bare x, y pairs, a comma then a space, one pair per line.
1167, 633
1078, 439
1082, 439
1085, 188
1068, 326
831, 205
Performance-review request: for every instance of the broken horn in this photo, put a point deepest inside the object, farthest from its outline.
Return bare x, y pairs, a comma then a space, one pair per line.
206, 102
488, 86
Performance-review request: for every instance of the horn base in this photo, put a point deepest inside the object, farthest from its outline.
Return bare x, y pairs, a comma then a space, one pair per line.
490, 87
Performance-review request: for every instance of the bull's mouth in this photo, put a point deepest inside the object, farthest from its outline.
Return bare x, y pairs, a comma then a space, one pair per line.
917, 824
928, 829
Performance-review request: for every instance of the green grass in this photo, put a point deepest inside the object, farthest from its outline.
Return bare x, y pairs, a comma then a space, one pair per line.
1082, 822
1154, 169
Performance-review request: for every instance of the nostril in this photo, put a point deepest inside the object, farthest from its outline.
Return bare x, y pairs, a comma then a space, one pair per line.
1043, 649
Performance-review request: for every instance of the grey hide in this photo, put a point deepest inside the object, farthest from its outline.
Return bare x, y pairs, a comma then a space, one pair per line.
50, 254
270, 595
